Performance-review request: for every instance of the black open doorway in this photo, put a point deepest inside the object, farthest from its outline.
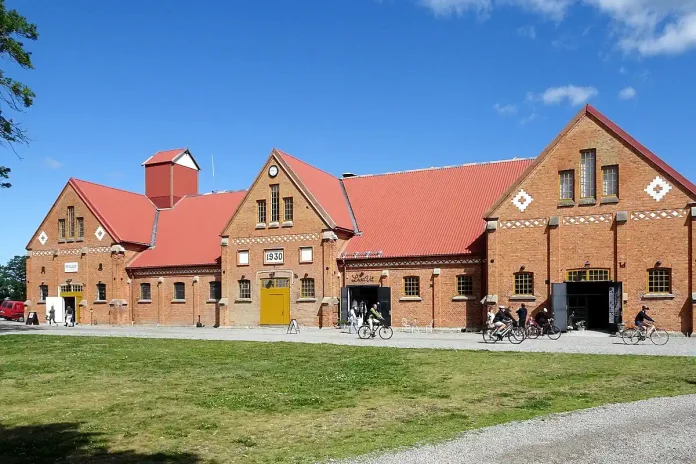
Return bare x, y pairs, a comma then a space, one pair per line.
598, 304
362, 297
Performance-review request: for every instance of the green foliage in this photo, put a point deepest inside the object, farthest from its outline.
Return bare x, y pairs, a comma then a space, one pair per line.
13, 278
14, 95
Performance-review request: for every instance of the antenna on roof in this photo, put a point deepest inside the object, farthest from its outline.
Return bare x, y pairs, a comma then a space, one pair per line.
212, 161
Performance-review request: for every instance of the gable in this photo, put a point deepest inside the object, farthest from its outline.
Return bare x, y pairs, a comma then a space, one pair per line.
538, 191
245, 219
48, 233
187, 161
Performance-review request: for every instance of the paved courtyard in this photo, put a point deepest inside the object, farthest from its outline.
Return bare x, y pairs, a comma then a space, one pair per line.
588, 342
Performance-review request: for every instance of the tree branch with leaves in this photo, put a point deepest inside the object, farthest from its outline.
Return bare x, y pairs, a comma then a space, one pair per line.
14, 96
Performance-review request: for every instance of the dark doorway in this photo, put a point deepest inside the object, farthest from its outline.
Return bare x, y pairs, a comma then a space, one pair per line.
69, 301
362, 297
596, 303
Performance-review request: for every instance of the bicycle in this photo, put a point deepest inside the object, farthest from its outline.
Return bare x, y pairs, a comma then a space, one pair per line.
534, 330
385, 332
515, 335
657, 336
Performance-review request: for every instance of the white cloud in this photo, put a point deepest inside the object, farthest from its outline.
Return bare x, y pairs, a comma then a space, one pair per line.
528, 119
622, 70
574, 95
644, 27
527, 31
50, 163
505, 110
627, 93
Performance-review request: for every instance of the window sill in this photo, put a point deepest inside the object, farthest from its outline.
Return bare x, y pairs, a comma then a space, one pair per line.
410, 298
609, 200
287, 224
274, 225
463, 298
100, 302
522, 298
261, 225
658, 296
80, 239
588, 202
70, 240
41, 302
212, 301
565, 203
61, 240
306, 300
242, 265
175, 301
243, 300
144, 301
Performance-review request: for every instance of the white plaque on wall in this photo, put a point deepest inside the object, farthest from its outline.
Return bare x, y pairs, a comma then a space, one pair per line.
273, 256
71, 267
306, 255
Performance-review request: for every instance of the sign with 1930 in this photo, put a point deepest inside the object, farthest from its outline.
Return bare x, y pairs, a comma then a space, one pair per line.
273, 256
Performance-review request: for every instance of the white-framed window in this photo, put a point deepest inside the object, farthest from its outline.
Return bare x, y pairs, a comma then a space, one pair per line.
43, 293
242, 257
610, 181
275, 203
306, 254
261, 209
245, 289
307, 288
274, 256
567, 185
287, 209
587, 173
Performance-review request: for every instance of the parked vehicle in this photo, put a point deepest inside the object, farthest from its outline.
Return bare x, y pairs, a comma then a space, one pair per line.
12, 310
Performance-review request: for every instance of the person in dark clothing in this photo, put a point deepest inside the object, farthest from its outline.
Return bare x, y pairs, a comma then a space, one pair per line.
522, 315
542, 317
643, 316
70, 317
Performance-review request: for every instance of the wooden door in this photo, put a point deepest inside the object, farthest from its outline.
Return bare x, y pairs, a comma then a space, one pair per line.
275, 302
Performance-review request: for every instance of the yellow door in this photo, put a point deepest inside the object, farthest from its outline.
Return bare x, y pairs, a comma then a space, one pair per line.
275, 302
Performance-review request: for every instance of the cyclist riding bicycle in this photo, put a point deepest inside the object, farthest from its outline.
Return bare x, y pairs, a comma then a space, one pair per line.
501, 320
374, 317
641, 317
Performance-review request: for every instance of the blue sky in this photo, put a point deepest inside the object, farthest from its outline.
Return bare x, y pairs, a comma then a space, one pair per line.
348, 85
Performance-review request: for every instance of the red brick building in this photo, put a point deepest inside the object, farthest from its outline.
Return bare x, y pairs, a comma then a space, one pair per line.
595, 224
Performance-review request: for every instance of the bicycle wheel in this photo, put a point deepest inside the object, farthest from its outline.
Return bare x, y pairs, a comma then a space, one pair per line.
553, 332
385, 333
659, 337
635, 336
364, 332
488, 336
533, 332
516, 335
626, 335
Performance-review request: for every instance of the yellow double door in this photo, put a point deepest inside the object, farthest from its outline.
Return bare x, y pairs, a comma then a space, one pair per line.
275, 301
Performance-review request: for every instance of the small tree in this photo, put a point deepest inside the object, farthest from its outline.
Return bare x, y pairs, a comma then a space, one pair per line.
13, 279
13, 94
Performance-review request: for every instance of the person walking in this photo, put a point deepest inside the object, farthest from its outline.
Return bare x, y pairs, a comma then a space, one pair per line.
522, 316
52, 316
352, 320
69, 317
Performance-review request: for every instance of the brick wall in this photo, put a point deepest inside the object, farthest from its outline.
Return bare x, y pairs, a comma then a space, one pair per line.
590, 233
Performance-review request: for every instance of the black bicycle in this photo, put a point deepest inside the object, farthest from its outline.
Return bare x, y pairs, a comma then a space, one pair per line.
534, 330
385, 332
512, 331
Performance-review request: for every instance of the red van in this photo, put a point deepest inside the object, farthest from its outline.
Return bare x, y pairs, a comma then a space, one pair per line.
12, 310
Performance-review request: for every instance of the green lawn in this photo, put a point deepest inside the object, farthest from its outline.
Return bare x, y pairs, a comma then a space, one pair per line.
87, 399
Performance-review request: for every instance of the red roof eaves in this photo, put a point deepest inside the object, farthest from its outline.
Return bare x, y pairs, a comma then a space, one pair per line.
90, 205
640, 148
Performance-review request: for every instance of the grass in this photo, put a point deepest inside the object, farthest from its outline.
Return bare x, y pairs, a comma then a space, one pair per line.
84, 399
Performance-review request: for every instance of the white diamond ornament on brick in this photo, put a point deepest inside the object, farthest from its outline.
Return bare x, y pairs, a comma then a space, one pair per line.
99, 233
43, 238
658, 188
522, 200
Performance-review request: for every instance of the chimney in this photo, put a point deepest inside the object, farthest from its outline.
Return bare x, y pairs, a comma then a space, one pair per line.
170, 175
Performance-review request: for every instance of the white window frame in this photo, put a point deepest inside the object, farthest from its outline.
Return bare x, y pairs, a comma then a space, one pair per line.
568, 175
612, 181
588, 174
240, 261
303, 257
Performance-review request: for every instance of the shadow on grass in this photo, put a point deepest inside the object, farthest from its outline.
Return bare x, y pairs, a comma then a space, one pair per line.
64, 442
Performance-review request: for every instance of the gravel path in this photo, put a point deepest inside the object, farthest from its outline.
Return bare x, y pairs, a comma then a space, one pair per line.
588, 342
659, 430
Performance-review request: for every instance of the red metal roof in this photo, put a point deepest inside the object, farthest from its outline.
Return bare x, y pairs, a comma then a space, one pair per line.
126, 216
427, 212
325, 188
189, 233
167, 156
637, 146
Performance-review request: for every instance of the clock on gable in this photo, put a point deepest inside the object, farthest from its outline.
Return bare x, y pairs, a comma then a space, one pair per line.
273, 171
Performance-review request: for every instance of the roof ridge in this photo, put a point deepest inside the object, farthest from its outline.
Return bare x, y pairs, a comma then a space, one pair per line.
436, 168
306, 163
108, 187
220, 192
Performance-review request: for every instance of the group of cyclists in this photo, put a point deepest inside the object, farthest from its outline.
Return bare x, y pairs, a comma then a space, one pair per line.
503, 318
